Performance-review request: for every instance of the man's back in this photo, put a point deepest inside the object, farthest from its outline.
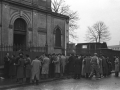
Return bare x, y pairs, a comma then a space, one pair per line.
36, 65
63, 59
94, 60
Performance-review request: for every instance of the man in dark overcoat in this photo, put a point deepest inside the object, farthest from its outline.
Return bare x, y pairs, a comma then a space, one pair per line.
52, 66
77, 68
70, 64
87, 66
12, 67
105, 66
6, 65
28, 68
20, 69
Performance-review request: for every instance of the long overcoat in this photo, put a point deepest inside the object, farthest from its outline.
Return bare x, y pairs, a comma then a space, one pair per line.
36, 64
105, 66
100, 66
116, 65
70, 64
77, 66
57, 64
28, 67
45, 66
20, 69
12, 67
6, 66
51, 67
83, 67
62, 63
87, 65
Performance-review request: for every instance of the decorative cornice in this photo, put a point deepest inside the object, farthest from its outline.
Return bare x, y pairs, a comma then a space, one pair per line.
35, 7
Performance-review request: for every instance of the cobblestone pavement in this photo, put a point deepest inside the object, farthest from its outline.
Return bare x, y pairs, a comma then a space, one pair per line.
109, 83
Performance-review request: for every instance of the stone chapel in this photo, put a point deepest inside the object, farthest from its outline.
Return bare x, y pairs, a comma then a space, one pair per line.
32, 22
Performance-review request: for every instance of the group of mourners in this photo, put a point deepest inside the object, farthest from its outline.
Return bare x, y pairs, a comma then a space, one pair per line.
57, 65
42, 67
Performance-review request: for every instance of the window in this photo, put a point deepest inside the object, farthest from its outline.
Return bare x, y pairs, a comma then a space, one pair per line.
58, 38
84, 46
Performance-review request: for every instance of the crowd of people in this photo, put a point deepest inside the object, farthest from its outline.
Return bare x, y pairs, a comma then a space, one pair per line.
57, 65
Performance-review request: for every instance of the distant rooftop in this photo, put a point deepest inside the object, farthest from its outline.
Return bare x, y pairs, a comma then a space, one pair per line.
114, 46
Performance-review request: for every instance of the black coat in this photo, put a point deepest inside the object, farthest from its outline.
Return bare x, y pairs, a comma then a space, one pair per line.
77, 66
12, 67
105, 66
6, 66
51, 67
71, 64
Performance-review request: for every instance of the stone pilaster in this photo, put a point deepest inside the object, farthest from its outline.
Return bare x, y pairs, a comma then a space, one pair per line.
5, 23
35, 28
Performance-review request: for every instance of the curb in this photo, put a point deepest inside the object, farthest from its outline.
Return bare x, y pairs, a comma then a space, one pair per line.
25, 84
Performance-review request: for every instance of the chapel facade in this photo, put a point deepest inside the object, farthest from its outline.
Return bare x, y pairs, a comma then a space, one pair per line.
32, 22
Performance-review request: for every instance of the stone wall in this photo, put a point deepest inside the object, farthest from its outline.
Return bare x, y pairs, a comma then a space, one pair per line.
5, 23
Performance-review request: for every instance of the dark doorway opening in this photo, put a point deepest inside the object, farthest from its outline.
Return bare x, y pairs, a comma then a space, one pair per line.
19, 39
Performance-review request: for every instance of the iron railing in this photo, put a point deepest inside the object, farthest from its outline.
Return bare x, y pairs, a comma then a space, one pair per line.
30, 48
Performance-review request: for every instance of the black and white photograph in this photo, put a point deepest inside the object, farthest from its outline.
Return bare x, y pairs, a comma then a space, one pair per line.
59, 45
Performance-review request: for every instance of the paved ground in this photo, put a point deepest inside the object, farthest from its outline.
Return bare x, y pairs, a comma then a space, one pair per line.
109, 83
11, 83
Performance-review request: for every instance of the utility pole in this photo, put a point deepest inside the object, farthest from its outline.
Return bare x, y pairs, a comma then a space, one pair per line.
46, 45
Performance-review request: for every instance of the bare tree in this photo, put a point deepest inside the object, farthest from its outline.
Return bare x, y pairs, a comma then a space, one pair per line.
59, 6
98, 33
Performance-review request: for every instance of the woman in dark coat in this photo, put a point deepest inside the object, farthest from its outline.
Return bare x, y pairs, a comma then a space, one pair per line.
20, 69
109, 66
6, 65
28, 68
12, 67
71, 60
105, 66
87, 66
51, 67
77, 68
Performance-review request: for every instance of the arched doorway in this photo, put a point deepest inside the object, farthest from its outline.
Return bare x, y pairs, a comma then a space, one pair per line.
20, 29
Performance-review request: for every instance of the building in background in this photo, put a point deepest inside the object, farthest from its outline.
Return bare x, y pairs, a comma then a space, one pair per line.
114, 47
32, 23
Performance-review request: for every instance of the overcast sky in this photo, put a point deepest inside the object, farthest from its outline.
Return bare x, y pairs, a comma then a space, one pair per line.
91, 11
